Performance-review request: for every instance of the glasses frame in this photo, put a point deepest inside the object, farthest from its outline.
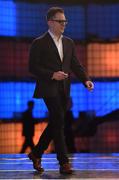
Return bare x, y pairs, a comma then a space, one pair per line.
60, 21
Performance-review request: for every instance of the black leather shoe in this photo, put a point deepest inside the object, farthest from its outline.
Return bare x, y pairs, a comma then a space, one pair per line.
66, 169
36, 162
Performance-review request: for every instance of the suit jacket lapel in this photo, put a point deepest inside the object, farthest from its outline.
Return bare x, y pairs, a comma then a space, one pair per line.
64, 48
52, 45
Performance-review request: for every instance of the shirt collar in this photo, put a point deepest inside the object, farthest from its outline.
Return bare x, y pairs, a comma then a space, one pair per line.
53, 36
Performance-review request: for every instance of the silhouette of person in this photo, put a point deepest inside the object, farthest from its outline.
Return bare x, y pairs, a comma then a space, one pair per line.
28, 127
85, 129
69, 135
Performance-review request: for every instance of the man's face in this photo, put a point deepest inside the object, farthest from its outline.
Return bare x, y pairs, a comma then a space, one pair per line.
58, 23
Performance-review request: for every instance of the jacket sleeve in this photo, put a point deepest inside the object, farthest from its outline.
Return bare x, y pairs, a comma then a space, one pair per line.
77, 68
35, 62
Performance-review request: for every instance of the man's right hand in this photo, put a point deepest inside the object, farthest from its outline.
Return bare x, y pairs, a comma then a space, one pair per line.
59, 75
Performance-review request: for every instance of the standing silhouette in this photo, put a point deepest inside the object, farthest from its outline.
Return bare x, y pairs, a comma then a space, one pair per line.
28, 127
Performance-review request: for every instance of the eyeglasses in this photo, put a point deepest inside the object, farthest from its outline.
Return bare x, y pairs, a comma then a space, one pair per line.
60, 21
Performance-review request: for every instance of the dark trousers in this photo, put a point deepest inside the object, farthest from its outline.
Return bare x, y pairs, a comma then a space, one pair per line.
55, 129
27, 143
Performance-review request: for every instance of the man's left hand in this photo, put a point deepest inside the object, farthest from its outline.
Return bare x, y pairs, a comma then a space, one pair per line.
89, 85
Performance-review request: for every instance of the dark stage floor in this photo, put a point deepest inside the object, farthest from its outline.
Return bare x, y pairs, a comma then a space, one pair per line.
86, 166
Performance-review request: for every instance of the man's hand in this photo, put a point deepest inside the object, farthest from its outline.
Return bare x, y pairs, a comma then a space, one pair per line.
59, 75
89, 85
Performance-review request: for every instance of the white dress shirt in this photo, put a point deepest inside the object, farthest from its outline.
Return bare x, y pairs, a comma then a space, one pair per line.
58, 43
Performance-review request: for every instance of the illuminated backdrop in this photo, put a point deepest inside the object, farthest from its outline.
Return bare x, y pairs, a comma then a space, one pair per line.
94, 28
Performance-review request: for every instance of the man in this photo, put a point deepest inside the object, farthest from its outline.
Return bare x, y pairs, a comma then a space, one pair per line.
52, 58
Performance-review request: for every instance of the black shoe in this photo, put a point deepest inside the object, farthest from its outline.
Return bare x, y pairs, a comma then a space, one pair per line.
66, 169
36, 162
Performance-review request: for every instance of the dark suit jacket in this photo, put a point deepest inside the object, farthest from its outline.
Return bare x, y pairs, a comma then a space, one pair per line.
44, 60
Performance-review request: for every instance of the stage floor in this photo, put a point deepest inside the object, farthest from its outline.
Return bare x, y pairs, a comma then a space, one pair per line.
86, 166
